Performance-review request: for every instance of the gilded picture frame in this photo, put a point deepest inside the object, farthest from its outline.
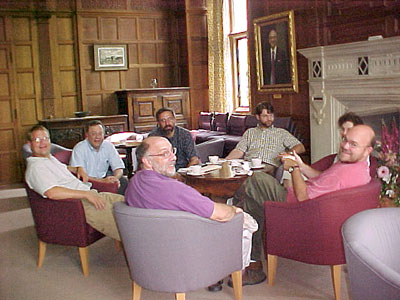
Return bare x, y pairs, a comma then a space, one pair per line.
110, 57
276, 62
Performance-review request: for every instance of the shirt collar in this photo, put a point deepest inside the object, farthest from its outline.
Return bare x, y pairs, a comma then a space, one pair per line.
91, 147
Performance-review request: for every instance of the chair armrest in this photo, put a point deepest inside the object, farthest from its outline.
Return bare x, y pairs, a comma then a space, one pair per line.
305, 226
60, 222
104, 186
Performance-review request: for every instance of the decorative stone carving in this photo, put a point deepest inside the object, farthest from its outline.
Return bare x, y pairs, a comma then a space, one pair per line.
362, 77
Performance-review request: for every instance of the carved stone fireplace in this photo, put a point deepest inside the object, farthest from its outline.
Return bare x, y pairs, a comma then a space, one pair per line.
362, 77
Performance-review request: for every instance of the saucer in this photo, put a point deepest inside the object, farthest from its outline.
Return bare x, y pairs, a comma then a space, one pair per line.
194, 174
259, 167
216, 163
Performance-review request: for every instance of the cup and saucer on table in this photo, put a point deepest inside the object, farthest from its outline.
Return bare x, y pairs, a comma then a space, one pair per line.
215, 160
195, 170
256, 163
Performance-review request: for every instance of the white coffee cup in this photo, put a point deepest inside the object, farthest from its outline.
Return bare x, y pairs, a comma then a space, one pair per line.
195, 170
213, 159
256, 162
246, 165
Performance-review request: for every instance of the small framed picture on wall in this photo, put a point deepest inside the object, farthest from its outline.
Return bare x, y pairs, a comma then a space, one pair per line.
110, 57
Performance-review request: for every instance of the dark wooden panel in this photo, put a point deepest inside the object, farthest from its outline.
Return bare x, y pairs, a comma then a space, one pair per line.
67, 132
141, 106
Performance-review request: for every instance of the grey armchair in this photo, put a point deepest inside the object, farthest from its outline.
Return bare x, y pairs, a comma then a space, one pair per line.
178, 252
371, 241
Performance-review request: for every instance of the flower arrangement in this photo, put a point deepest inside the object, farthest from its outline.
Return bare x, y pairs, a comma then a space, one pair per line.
388, 156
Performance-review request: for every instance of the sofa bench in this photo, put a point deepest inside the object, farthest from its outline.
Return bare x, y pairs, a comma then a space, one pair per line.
231, 128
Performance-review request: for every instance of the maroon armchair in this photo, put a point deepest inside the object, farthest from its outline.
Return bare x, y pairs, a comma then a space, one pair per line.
310, 231
63, 222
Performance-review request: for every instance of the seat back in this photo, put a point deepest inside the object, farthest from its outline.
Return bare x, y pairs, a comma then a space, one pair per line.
205, 120
220, 122
27, 152
63, 156
372, 241
173, 251
237, 125
214, 146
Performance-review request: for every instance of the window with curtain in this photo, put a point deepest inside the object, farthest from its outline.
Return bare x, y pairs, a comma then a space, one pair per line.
236, 56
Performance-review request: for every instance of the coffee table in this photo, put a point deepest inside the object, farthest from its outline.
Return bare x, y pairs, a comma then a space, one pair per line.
215, 184
128, 146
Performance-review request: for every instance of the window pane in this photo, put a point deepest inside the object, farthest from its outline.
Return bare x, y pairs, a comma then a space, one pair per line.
243, 70
239, 16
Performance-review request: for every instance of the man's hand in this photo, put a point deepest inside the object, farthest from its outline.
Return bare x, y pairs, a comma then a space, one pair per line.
96, 200
82, 175
300, 162
111, 179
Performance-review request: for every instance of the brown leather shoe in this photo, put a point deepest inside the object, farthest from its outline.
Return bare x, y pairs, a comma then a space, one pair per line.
216, 287
251, 277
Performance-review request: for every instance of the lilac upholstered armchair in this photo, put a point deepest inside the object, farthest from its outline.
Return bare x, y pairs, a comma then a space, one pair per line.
372, 241
177, 252
310, 231
63, 222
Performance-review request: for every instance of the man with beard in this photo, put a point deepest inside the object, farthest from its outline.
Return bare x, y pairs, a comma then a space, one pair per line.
154, 187
179, 137
266, 141
351, 170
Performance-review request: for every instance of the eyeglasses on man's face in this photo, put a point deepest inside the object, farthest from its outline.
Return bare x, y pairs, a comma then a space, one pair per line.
352, 144
165, 120
39, 139
165, 154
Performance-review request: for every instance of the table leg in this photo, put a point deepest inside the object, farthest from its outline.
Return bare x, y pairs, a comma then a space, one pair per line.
129, 163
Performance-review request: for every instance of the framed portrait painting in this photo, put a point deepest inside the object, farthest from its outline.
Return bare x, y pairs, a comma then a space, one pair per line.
110, 57
275, 46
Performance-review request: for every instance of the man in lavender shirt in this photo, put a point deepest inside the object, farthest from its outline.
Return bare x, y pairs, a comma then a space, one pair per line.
154, 187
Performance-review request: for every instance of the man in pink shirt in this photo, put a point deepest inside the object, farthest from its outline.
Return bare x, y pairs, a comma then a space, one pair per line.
350, 170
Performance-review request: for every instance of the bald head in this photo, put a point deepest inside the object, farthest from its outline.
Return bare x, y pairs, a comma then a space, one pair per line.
357, 144
156, 153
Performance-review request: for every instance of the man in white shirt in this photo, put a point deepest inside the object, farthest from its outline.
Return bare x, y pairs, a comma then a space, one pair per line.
94, 157
52, 179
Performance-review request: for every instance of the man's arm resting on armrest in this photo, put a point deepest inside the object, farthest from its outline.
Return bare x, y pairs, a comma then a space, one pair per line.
60, 193
223, 212
235, 153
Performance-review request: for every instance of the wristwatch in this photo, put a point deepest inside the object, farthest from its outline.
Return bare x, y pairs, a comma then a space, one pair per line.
291, 169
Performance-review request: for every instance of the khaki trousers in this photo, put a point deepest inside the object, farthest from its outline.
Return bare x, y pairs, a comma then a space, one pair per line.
103, 219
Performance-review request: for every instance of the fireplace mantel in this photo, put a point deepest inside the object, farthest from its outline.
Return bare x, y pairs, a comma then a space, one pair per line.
363, 77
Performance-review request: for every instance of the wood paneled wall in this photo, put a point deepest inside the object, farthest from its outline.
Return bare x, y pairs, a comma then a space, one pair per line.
319, 23
152, 53
197, 42
46, 61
